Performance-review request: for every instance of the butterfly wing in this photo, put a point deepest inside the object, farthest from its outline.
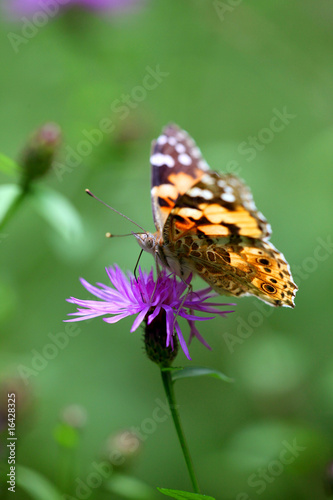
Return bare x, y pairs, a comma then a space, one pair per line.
215, 230
245, 267
176, 164
217, 205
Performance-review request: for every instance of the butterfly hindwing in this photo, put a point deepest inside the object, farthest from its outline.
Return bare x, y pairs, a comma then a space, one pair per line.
239, 266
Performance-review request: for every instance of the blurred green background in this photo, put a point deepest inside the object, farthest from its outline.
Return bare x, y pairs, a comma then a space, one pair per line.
227, 72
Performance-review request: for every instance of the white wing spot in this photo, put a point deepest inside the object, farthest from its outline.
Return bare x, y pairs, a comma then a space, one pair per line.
180, 148
185, 159
206, 194
190, 212
162, 140
196, 152
208, 179
228, 197
181, 136
159, 159
203, 165
172, 141
221, 183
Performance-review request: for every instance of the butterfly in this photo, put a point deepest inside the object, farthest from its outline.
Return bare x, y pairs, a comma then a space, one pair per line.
207, 224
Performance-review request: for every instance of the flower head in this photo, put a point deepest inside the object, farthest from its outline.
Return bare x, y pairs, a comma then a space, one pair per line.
165, 299
39, 153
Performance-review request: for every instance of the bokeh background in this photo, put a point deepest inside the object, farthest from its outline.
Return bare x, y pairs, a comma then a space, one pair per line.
228, 68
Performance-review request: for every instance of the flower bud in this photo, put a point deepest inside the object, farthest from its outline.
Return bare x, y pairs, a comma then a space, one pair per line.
38, 155
122, 448
13, 390
74, 416
155, 341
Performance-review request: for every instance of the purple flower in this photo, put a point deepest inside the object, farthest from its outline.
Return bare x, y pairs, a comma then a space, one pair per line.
30, 7
147, 298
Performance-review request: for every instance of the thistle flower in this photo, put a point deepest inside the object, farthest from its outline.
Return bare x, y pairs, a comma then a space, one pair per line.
159, 303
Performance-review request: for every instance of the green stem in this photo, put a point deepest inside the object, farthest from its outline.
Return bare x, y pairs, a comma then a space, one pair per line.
12, 209
169, 390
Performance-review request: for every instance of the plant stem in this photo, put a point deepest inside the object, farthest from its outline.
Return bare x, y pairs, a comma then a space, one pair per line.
12, 209
169, 390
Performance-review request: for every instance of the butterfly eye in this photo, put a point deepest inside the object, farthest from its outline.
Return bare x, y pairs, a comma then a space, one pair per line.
149, 242
268, 288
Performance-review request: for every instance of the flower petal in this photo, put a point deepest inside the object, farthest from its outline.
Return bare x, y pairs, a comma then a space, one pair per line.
153, 315
182, 341
138, 320
195, 333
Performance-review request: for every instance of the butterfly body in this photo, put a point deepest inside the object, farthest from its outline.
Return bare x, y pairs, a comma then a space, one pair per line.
208, 224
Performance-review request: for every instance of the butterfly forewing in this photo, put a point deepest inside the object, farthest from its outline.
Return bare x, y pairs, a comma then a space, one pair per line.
176, 164
217, 206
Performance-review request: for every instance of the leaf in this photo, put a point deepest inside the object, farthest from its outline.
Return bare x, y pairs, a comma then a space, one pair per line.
199, 371
61, 215
8, 166
9, 194
129, 487
36, 485
182, 495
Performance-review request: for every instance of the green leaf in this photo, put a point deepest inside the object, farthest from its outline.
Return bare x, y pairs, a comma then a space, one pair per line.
181, 495
199, 371
36, 485
61, 215
129, 487
9, 194
8, 166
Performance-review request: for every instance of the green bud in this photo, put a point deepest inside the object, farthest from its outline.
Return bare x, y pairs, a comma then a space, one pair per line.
39, 153
155, 342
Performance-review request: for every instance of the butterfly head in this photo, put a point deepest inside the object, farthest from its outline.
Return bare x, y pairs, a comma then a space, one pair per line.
148, 241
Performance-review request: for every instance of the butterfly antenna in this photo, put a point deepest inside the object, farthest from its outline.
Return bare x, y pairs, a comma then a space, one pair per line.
117, 212
111, 235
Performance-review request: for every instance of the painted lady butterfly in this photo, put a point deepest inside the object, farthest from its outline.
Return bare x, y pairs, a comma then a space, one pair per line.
208, 224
